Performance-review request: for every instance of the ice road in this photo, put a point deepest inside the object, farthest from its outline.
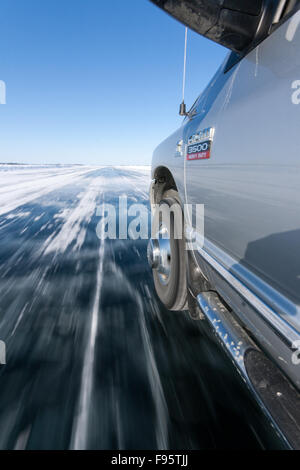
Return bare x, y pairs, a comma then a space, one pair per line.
93, 360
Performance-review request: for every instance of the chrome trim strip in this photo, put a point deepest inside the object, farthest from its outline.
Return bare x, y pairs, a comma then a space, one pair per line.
237, 343
270, 296
233, 338
287, 332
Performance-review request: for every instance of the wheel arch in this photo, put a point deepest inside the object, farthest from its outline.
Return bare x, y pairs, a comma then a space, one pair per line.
163, 180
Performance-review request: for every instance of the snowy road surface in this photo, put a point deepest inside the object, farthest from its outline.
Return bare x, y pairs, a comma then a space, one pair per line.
94, 361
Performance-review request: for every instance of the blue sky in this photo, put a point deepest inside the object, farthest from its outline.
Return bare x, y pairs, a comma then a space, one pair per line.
94, 81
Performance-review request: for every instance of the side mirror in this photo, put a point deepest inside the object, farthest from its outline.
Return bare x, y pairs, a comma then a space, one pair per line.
235, 24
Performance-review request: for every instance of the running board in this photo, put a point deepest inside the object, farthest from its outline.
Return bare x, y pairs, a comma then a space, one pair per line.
277, 397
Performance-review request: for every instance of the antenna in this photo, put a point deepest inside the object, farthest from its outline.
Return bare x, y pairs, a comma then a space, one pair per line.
182, 110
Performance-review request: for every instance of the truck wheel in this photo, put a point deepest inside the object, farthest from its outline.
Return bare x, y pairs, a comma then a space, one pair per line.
167, 255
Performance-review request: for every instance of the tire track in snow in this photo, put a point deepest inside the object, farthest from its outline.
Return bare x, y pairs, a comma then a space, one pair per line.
81, 422
75, 221
159, 400
21, 194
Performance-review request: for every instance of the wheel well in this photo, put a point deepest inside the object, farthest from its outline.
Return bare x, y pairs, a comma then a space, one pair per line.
163, 182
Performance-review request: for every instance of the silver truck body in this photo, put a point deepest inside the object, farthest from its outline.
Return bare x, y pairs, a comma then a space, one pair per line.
250, 187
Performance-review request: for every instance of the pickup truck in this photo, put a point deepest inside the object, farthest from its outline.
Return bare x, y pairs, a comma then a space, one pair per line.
237, 154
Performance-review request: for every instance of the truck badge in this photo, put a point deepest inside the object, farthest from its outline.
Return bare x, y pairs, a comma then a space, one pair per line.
199, 145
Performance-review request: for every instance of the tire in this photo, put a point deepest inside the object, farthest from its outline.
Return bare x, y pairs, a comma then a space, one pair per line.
173, 290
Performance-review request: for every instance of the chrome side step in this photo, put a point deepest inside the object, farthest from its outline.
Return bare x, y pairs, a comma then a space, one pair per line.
278, 399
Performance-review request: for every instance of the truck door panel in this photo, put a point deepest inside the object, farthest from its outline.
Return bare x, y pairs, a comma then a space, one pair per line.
250, 186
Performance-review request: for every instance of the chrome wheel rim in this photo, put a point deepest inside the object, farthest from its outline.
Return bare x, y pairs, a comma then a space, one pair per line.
159, 254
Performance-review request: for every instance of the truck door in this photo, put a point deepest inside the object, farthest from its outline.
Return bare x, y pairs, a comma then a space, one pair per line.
249, 181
